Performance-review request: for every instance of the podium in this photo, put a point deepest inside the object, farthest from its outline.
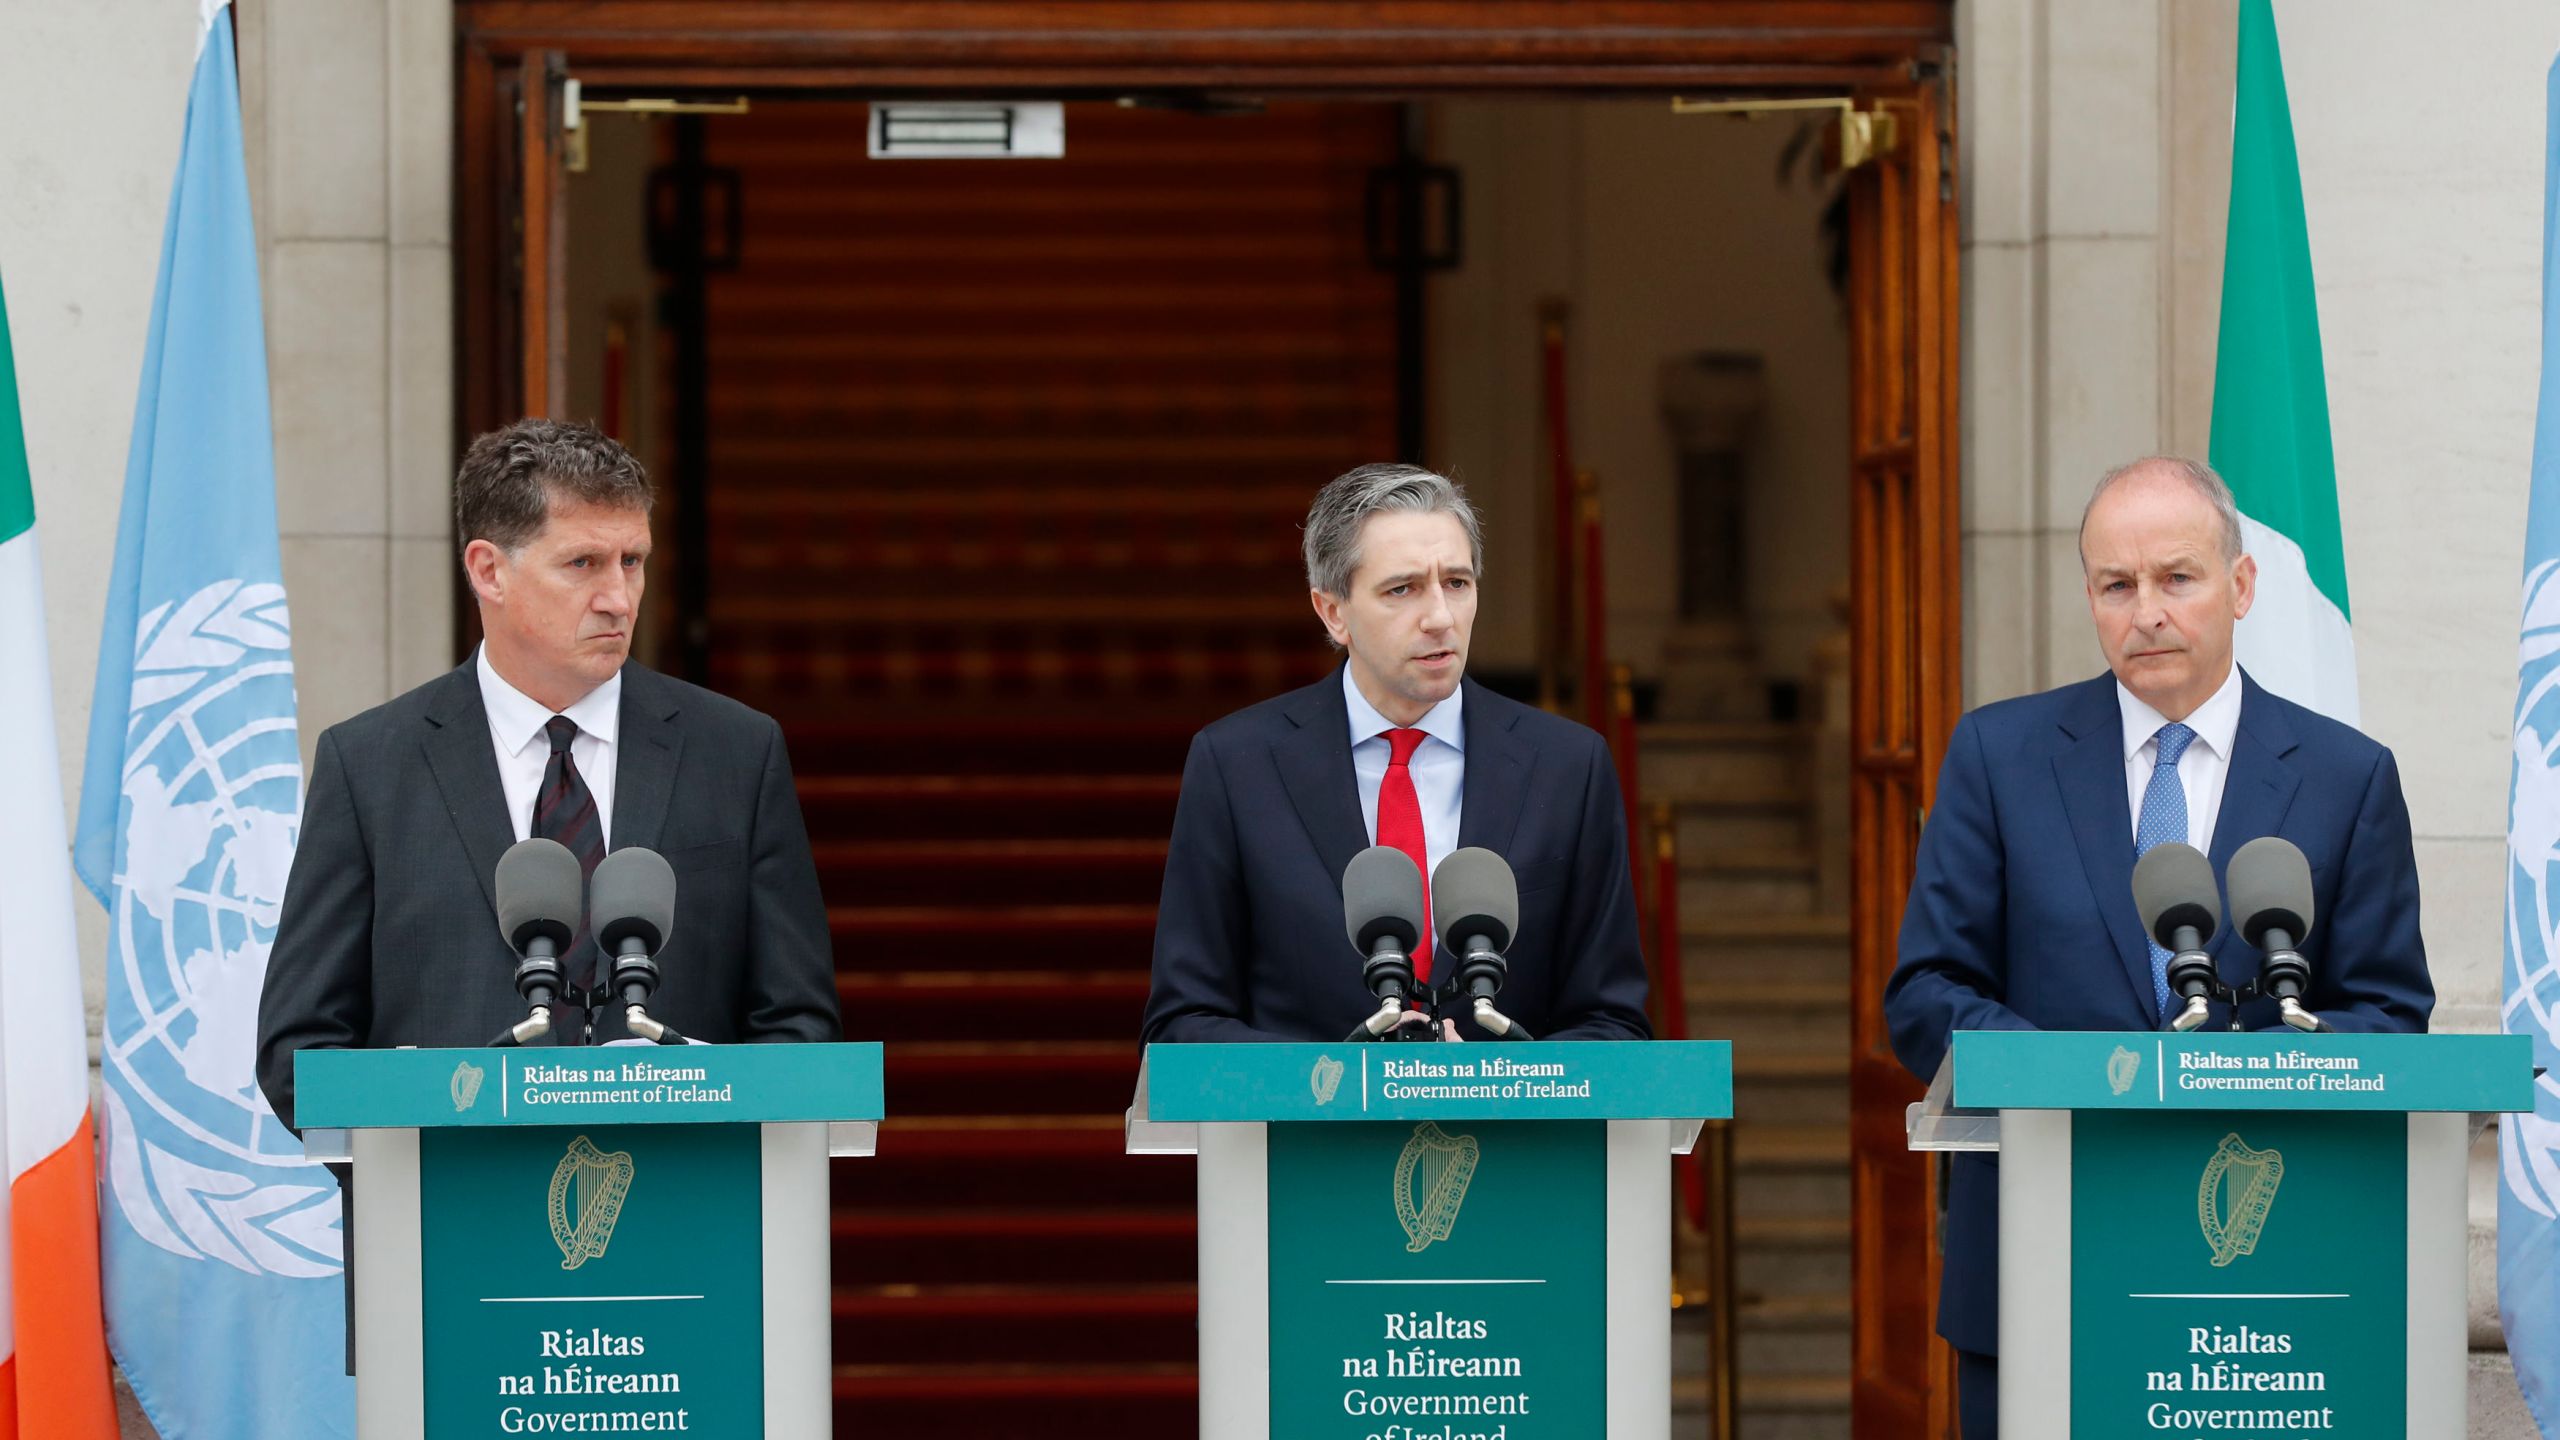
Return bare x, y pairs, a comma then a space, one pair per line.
618, 1239
2214, 1232
1423, 1240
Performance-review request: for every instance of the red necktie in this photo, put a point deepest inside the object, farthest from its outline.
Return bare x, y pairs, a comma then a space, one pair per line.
1400, 825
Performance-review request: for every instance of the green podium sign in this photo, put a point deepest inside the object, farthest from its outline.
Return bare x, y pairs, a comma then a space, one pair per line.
2215, 1233
621, 1240
1423, 1242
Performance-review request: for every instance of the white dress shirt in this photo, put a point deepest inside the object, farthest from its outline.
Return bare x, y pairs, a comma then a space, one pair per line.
1438, 766
2202, 768
516, 730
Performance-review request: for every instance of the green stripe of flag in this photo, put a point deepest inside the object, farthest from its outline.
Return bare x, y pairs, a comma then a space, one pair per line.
17, 489
2270, 398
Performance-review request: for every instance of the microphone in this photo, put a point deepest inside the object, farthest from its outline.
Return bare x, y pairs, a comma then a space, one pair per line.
2271, 898
1382, 913
2174, 892
1475, 905
539, 888
633, 906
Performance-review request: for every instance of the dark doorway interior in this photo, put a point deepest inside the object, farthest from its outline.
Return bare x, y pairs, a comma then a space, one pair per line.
1005, 461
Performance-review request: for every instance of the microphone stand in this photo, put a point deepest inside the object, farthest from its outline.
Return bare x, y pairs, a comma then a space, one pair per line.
2191, 974
635, 979
1389, 976
1481, 973
2284, 977
538, 981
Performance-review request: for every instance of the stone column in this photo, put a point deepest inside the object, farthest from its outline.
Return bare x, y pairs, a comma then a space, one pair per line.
348, 119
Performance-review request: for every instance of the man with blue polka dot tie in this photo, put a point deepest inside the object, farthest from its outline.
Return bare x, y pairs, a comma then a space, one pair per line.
2021, 910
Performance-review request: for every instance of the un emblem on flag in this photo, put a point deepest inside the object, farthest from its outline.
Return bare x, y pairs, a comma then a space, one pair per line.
2529, 1144
211, 786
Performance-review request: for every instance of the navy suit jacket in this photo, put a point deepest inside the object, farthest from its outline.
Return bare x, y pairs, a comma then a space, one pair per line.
1249, 937
2021, 912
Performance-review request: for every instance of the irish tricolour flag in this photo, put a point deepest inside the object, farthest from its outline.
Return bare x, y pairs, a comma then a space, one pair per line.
2271, 402
53, 1379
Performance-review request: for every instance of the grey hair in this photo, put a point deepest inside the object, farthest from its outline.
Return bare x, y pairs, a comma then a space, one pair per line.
503, 492
2197, 474
1342, 507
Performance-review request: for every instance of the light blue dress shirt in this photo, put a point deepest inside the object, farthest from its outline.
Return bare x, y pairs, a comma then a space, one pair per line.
1439, 766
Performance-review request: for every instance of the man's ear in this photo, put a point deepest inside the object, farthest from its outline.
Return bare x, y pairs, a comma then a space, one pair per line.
2244, 585
1329, 610
485, 565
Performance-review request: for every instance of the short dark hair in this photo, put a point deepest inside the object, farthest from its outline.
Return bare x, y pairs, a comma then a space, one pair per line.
502, 493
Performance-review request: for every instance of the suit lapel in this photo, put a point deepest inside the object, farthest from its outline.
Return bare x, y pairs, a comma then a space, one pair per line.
459, 752
1314, 761
2258, 788
644, 775
1497, 772
2091, 774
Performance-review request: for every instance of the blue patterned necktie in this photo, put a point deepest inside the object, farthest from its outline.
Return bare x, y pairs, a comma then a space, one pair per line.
2164, 818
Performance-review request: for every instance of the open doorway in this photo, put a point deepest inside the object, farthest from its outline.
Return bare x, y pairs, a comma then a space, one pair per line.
994, 501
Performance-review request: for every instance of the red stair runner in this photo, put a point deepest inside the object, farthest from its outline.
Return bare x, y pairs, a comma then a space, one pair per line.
1007, 467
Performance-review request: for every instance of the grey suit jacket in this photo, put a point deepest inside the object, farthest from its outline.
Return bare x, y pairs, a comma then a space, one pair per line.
389, 933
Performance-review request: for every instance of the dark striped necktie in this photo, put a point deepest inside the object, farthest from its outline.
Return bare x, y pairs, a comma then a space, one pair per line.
564, 809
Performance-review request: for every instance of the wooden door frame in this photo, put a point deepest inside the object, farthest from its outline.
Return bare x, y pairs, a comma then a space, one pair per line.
1294, 48
509, 53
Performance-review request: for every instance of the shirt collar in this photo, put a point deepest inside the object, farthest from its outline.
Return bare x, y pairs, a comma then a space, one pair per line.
2216, 721
1445, 722
517, 719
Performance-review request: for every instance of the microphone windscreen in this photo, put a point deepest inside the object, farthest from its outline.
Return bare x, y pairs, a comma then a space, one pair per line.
540, 888
2173, 886
633, 893
2270, 889
1382, 895
1474, 893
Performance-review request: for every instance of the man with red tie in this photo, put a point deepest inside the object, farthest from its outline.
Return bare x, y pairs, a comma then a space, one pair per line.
1395, 748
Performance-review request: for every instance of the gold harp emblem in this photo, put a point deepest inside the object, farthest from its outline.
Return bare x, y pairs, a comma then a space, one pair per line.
1432, 1176
2232, 1200
587, 1190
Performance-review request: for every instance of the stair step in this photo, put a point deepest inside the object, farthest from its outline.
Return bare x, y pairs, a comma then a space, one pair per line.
995, 937
991, 1004
1021, 872
1775, 1015
995, 1401
1709, 734
906, 1324
1722, 763
1788, 1255
1795, 1312
946, 1245
1719, 892
1060, 1162
1746, 860
910, 669
1038, 1077
1707, 824
825, 740
1778, 1086
1717, 948
925, 807
1790, 1147
1804, 1191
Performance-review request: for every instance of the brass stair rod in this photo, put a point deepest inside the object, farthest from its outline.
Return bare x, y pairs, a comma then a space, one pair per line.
1724, 1415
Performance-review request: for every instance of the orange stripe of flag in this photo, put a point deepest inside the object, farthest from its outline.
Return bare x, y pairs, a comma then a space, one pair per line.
60, 1370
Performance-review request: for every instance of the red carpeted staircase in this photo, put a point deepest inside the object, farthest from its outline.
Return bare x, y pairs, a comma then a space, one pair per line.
1008, 461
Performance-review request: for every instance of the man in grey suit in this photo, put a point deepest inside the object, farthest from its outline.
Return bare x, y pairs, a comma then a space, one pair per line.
389, 933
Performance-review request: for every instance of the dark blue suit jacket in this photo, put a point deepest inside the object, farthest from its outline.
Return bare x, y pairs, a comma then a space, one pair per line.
1249, 937
2021, 911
